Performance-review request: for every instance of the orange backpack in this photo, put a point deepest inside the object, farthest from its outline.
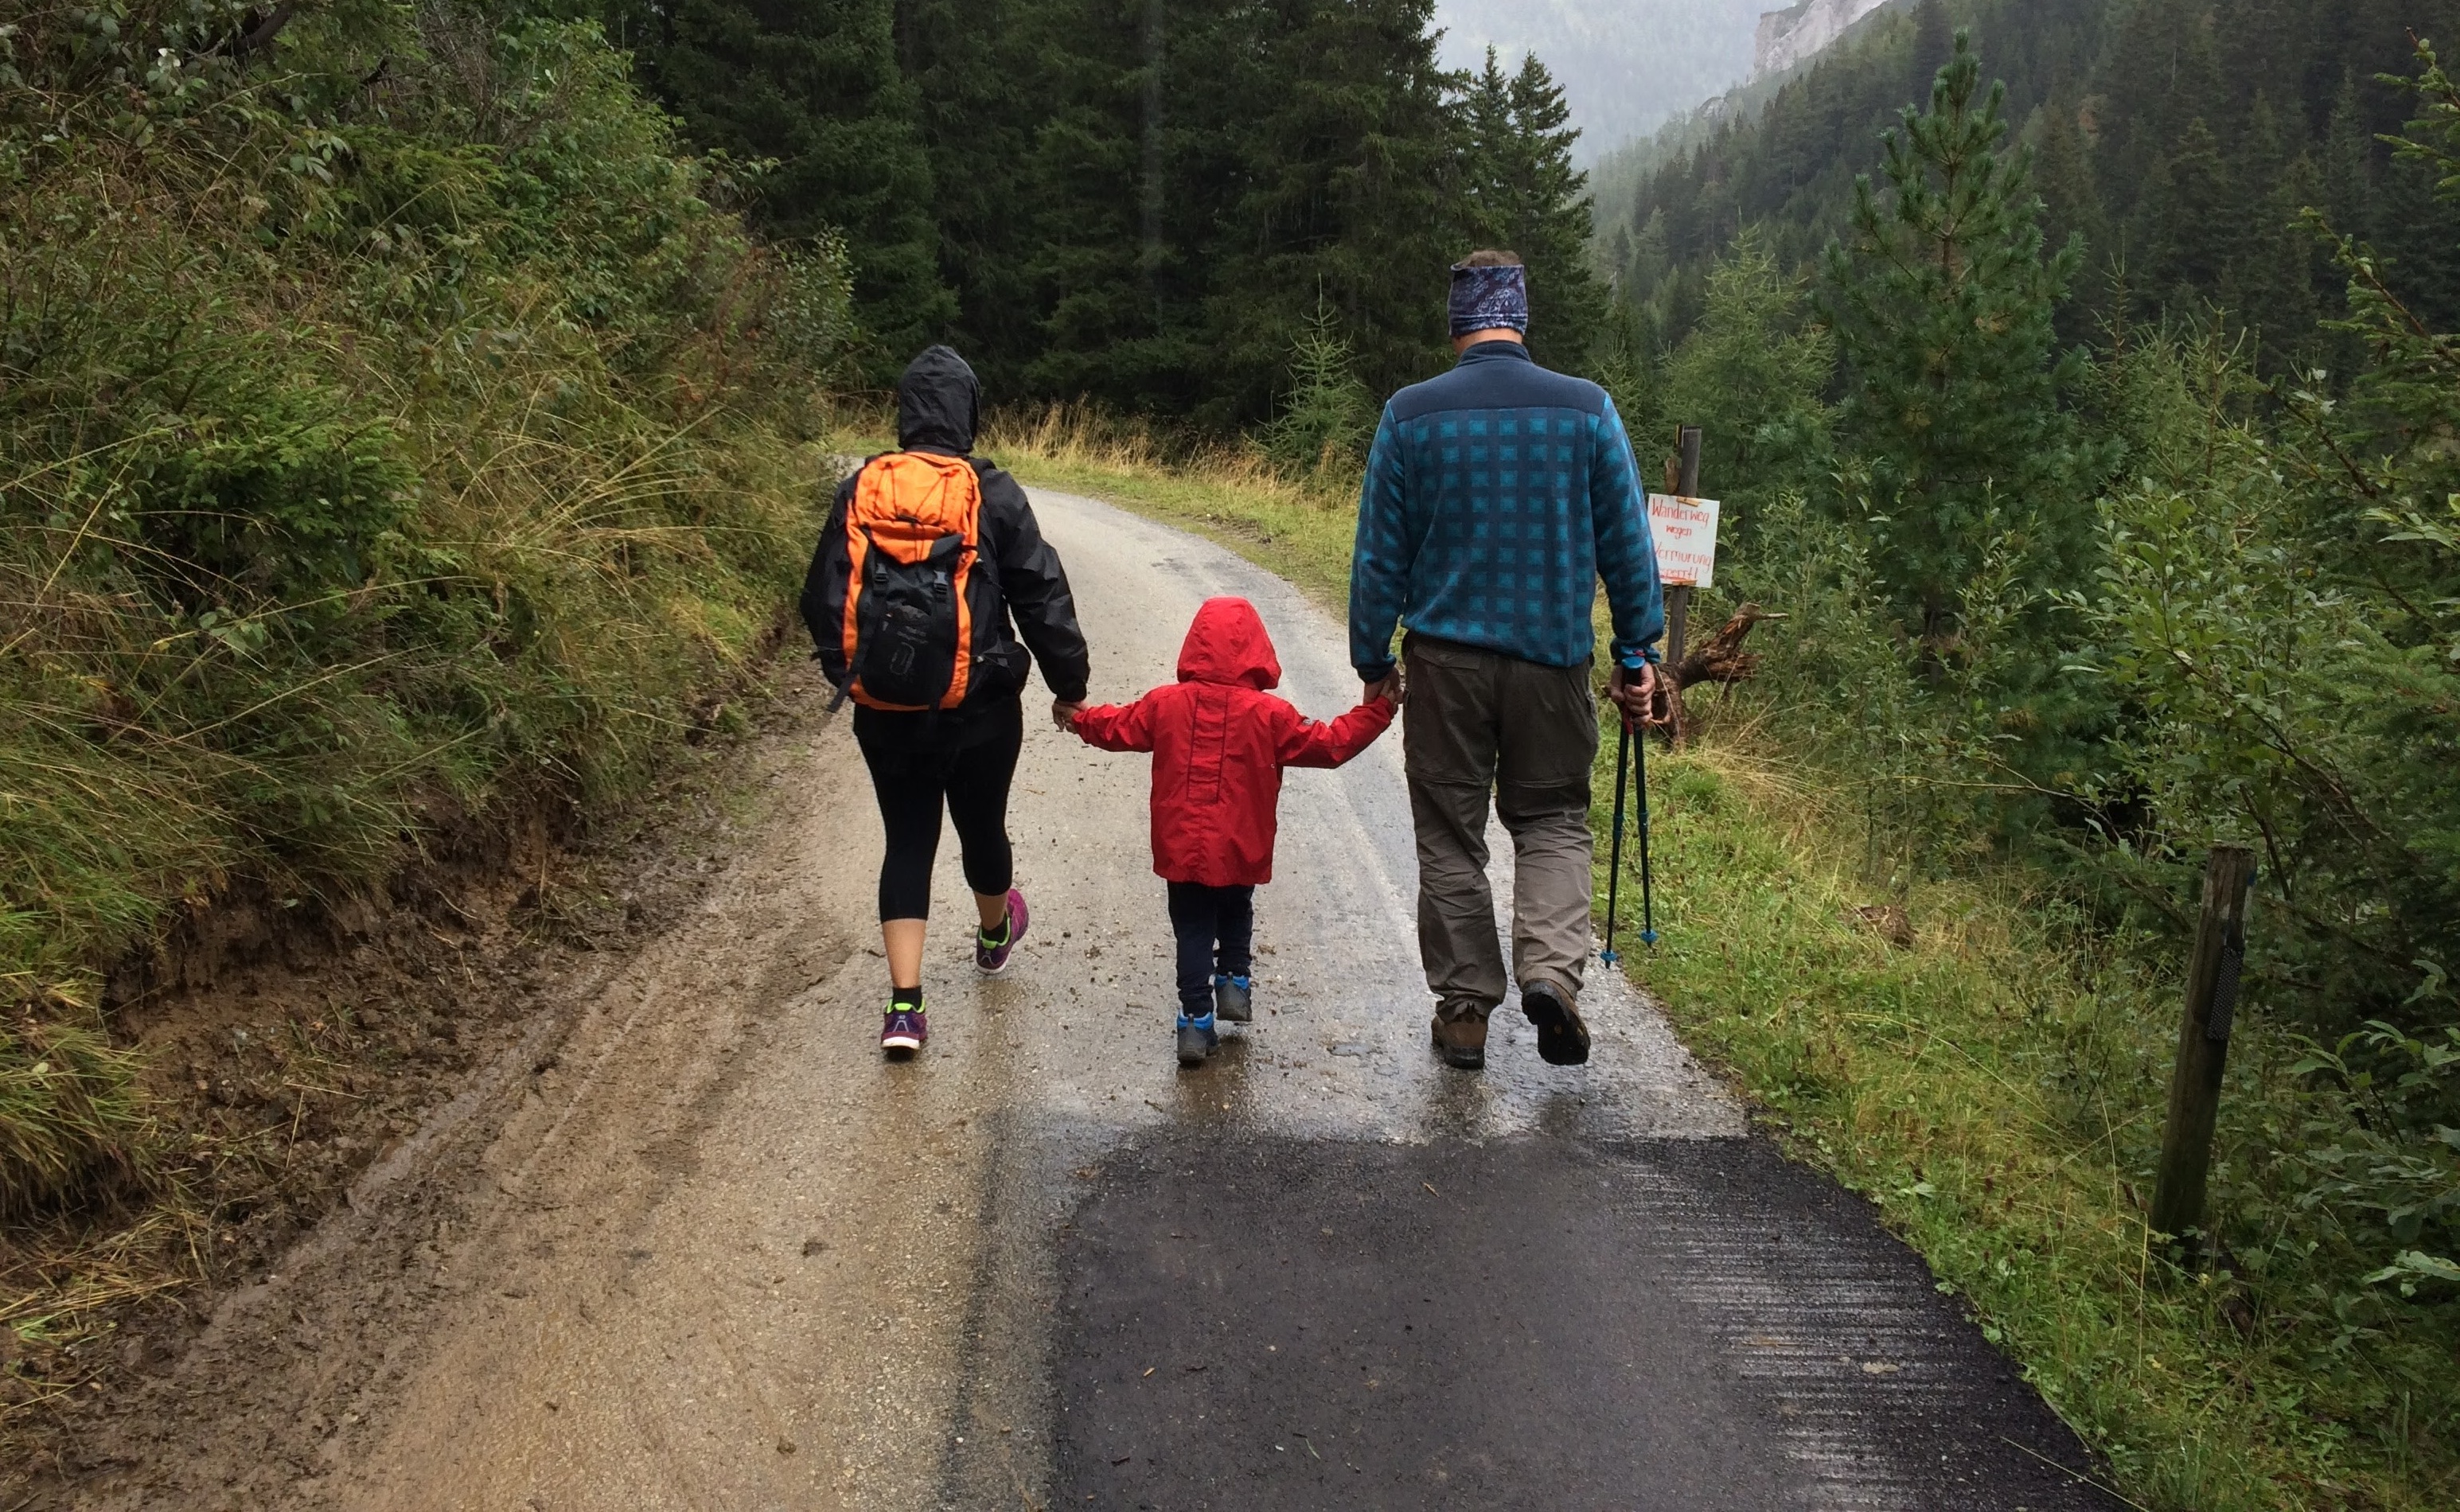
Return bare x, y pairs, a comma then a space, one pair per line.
912, 533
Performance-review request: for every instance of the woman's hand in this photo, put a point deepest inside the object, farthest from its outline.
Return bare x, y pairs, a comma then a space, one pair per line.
1063, 713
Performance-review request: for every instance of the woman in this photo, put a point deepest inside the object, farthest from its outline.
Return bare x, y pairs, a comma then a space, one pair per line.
950, 739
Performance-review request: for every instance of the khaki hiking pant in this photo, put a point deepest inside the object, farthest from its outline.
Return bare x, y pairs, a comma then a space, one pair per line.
1477, 722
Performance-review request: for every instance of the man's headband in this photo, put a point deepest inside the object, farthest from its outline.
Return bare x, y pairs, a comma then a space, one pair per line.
1484, 298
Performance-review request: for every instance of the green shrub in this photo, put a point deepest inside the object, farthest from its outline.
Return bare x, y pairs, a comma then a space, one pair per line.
392, 419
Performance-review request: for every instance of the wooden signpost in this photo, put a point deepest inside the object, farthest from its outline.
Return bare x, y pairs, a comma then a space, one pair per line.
1682, 482
2203, 1044
1683, 531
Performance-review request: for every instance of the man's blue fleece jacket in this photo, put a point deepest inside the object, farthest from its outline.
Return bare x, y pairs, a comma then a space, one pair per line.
1496, 496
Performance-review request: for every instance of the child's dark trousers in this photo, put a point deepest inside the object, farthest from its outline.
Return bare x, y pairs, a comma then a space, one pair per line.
1216, 931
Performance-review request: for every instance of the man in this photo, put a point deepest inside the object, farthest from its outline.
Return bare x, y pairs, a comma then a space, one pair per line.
1496, 496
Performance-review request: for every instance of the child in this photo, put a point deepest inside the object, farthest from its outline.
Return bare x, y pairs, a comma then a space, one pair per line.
1220, 743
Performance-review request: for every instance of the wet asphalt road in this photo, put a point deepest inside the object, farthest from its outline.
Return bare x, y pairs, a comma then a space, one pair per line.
1524, 1323
706, 1250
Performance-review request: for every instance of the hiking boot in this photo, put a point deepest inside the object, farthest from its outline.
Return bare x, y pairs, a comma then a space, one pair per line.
1196, 1037
1234, 998
1562, 1039
903, 1031
1461, 1041
990, 956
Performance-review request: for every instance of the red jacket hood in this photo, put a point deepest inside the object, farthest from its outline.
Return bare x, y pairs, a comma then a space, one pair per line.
1227, 644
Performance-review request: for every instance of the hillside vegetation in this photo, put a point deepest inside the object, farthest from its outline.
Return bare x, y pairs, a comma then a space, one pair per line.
2178, 139
2105, 483
395, 425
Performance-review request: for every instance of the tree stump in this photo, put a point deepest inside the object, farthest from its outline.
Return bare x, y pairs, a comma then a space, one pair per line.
1718, 659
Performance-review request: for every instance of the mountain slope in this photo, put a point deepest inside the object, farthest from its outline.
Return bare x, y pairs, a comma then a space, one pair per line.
2180, 140
1627, 68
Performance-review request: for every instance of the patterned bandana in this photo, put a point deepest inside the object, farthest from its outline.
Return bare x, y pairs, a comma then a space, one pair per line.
1484, 298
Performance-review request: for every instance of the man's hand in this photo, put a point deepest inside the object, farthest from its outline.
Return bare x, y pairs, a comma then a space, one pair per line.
1388, 686
1063, 713
1634, 693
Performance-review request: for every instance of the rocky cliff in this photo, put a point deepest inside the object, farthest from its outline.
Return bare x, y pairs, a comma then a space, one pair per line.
1785, 38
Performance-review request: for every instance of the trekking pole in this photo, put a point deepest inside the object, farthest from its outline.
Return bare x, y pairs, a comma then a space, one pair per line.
1647, 890
1614, 863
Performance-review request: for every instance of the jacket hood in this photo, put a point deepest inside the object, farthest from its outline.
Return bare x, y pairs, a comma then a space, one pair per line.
1227, 644
938, 402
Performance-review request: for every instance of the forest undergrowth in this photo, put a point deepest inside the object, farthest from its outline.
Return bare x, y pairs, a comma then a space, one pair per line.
398, 429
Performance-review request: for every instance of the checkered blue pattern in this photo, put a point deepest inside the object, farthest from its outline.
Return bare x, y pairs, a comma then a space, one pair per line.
1495, 498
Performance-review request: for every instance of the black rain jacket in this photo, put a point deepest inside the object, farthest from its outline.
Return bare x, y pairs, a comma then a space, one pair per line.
1018, 588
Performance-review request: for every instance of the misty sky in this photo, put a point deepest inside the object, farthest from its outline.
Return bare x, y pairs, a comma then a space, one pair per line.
1627, 65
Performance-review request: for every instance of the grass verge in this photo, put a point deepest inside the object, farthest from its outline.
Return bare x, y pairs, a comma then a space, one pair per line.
1301, 531
1994, 1087
1991, 1086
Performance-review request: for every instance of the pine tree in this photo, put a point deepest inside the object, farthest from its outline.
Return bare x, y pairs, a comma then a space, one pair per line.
1523, 193
1327, 417
982, 95
816, 86
1650, 260
2348, 160
2417, 236
1343, 178
2071, 210
1943, 305
1752, 374
2278, 262
1931, 44
1119, 192
2194, 226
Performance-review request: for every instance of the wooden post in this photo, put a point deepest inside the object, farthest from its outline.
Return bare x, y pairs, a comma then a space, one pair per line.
1683, 480
2203, 1043
1686, 485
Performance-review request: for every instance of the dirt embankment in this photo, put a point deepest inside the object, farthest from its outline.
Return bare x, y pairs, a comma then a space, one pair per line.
294, 1053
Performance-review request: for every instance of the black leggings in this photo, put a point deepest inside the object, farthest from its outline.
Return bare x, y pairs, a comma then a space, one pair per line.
912, 786
1216, 929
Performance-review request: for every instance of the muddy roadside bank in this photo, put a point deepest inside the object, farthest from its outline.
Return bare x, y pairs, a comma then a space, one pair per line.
297, 1067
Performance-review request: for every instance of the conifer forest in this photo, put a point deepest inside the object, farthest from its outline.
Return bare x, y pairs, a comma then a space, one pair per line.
408, 412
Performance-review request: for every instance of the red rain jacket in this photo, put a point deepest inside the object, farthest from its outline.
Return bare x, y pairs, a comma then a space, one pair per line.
1219, 742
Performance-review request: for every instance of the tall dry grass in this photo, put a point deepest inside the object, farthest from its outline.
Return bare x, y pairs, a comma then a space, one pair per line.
1300, 523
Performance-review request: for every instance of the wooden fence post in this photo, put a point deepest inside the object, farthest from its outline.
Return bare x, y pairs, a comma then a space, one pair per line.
2203, 1043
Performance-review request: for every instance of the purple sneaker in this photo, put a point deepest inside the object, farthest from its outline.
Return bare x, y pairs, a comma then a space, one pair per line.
903, 1032
991, 959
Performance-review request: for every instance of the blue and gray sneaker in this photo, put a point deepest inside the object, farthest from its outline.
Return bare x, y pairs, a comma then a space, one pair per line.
1196, 1037
1234, 998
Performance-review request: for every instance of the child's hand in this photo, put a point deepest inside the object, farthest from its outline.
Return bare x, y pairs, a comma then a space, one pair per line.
1063, 714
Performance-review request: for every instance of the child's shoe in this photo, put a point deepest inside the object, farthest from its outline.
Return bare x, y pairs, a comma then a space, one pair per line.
1234, 998
990, 957
903, 1031
1196, 1037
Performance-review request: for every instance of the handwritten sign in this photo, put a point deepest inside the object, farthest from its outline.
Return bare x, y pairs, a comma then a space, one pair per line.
1685, 533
